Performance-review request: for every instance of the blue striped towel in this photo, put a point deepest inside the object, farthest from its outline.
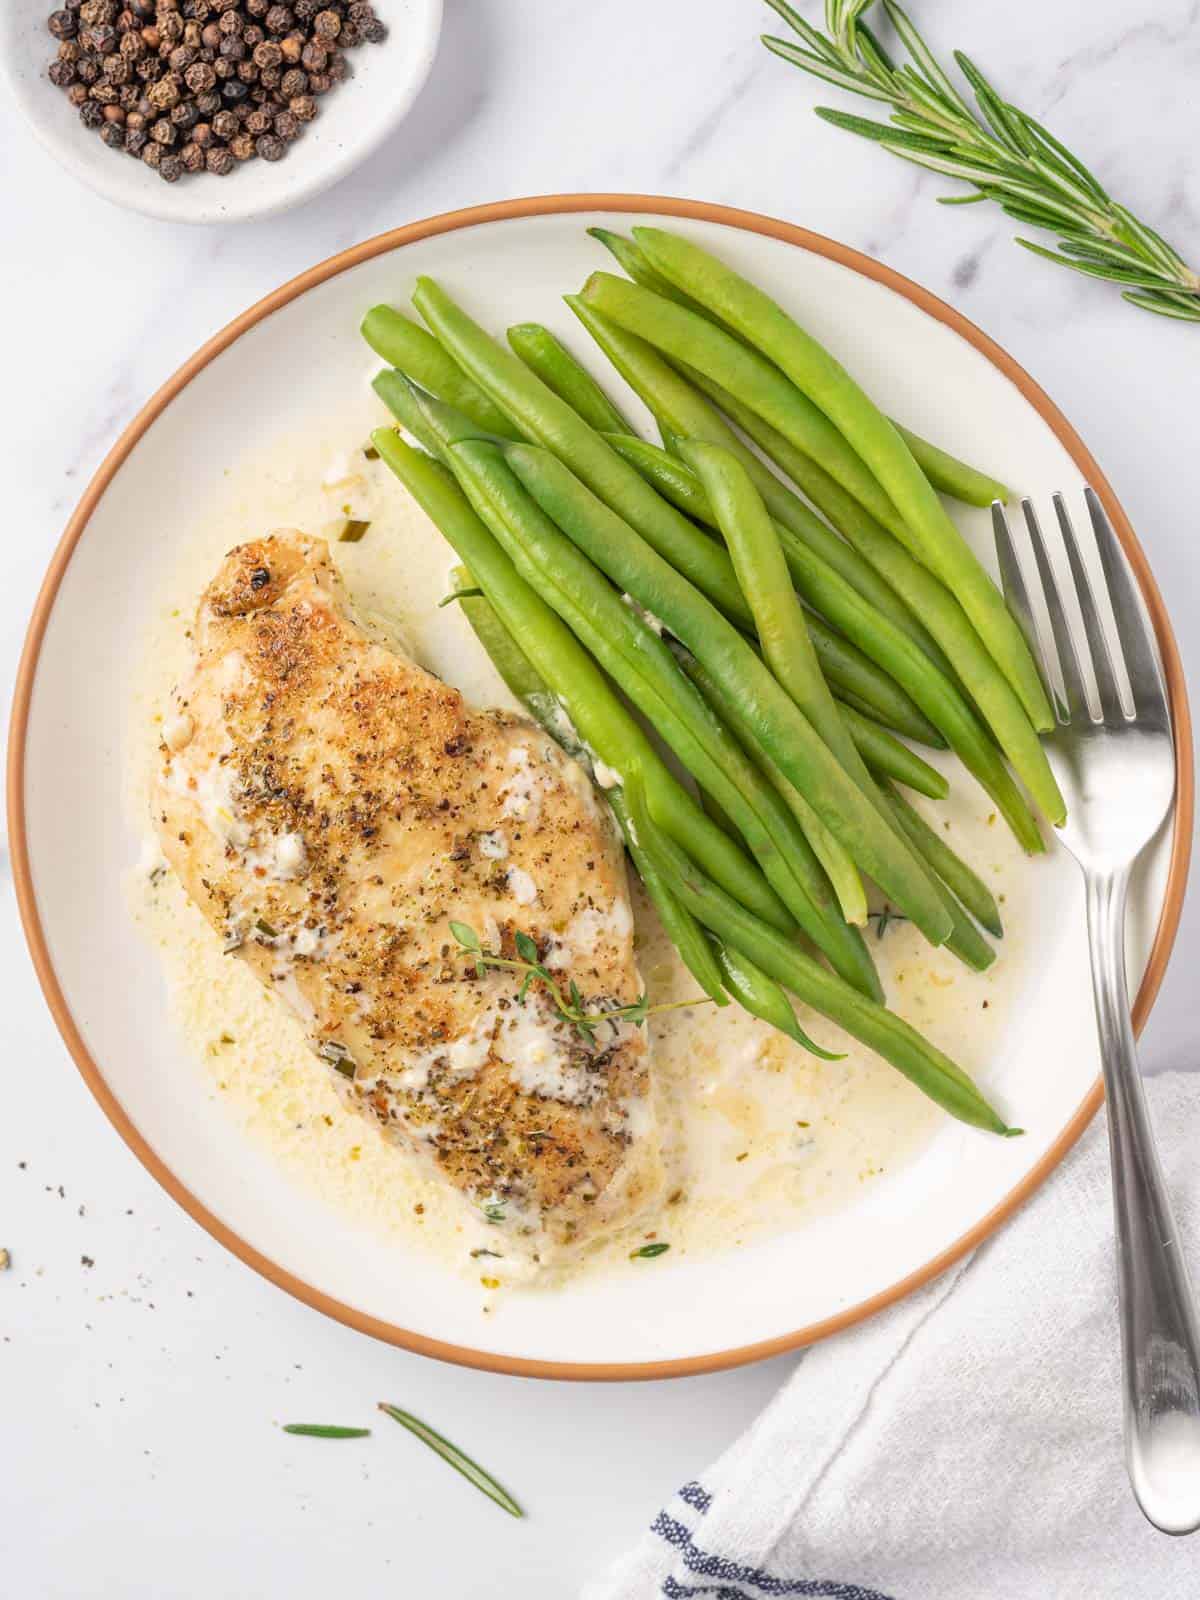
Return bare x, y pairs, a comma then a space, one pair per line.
963, 1445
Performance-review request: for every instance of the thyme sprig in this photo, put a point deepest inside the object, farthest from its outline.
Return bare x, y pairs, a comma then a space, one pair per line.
568, 1006
1004, 154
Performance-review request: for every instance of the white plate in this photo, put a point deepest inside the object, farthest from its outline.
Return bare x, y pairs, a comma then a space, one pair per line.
354, 120
298, 356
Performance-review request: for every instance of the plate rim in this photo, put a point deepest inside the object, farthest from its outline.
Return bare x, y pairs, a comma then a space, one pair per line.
382, 244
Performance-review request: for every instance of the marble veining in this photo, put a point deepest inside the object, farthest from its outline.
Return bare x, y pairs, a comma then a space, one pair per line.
177, 1359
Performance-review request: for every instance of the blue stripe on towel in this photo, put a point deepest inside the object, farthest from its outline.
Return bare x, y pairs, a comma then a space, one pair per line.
734, 1581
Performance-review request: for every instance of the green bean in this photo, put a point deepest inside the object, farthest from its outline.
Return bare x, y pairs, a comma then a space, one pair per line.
744, 370
685, 933
553, 363
603, 722
944, 471
762, 997
950, 475
926, 1067
951, 868
850, 671
633, 654
629, 256
931, 534
763, 573
832, 854
541, 414
527, 685
417, 353
683, 414
758, 560
945, 618
888, 758
679, 483
966, 942
783, 729
892, 651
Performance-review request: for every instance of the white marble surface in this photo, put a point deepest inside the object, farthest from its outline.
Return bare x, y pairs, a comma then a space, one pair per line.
142, 1368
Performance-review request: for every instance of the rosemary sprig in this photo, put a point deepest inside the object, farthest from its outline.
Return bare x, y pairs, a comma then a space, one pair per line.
1001, 151
452, 1454
569, 1007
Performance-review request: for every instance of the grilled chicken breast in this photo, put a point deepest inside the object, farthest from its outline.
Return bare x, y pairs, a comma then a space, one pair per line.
331, 808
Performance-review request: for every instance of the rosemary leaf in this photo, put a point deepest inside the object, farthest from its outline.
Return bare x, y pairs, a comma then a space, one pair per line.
323, 1430
451, 1454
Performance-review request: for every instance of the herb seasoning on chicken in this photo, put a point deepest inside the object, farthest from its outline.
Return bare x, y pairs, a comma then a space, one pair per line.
332, 808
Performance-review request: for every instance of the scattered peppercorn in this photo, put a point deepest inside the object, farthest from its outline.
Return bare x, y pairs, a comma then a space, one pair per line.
201, 85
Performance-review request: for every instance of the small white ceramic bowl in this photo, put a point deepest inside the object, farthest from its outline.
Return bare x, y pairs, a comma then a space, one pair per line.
355, 118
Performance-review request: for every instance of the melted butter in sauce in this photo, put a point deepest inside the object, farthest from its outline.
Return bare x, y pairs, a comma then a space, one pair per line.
759, 1135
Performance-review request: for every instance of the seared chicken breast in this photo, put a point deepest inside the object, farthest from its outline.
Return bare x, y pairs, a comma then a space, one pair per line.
331, 808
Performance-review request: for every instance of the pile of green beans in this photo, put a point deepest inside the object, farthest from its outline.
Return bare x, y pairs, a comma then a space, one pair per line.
782, 629
910, 500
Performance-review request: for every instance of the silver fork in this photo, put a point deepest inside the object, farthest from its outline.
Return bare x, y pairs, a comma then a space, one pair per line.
1116, 768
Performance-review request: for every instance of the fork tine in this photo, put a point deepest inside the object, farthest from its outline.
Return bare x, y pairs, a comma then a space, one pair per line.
1112, 712
1016, 594
1141, 658
1064, 640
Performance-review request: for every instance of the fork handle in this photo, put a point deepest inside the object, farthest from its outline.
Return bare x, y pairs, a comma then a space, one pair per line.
1160, 1334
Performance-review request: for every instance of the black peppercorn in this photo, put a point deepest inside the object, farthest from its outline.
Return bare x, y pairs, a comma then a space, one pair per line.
233, 91
91, 114
292, 48
62, 73
218, 161
135, 140
270, 147
114, 114
314, 56
233, 48
113, 135
170, 169
287, 126
77, 94
87, 69
319, 83
303, 107
192, 157
279, 19
63, 24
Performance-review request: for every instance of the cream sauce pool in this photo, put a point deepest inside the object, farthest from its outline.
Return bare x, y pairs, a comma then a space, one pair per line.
759, 1136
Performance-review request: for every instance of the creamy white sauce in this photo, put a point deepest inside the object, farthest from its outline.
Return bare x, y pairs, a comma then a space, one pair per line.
757, 1134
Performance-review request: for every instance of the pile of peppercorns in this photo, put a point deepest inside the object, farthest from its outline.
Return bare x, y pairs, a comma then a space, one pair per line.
203, 85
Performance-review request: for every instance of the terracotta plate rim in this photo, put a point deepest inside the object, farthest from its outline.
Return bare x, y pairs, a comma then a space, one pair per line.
447, 222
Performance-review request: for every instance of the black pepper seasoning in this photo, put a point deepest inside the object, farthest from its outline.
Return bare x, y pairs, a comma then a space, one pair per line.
200, 85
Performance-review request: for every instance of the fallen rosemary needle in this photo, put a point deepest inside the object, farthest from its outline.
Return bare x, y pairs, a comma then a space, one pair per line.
324, 1430
568, 1007
454, 1456
1004, 154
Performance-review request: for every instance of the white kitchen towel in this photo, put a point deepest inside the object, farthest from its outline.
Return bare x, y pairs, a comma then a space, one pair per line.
964, 1445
